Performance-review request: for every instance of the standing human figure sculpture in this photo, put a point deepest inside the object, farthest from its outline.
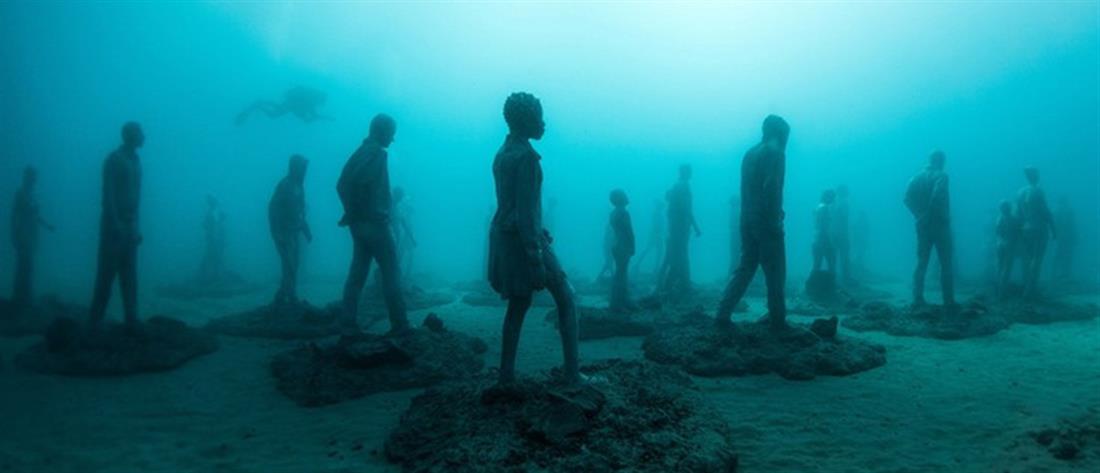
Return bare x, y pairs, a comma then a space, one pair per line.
25, 223
681, 223
364, 190
119, 235
928, 199
763, 171
622, 249
286, 214
521, 258
1037, 226
823, 249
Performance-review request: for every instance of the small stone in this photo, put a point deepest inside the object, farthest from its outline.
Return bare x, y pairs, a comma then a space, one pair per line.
433, 323
825, 328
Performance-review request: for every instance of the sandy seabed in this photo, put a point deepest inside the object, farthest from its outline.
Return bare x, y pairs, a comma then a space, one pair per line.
960, 406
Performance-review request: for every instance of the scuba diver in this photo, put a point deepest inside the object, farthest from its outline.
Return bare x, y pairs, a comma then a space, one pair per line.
299, 101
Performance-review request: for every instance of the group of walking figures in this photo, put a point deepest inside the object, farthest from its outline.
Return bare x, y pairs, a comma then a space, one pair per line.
521, 259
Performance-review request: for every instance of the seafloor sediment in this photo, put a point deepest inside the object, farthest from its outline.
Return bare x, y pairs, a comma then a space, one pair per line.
34, 320
751, 348
1071, 444
321, 374
290, 321
160, 344
596, 323
975, 318
227, 285
639, 417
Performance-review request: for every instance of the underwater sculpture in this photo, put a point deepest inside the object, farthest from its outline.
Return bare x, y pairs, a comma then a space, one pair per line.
119, 235
299, 101
521, 259
212, 280
762, 174
25, 222
286, 214
676, 270
364, 190
928, 199
821, 285
1007, 246
840, 238
1037, 225
158, 344
622, 250
645, 419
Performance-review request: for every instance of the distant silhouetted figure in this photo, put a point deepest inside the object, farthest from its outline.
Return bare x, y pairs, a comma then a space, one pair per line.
1008, 243
763, 170
25, 222
212, 267
286, 215
299, 101
521, 260
1066, 223
735, 234
929, 201
823, 249
838, 226
681, 222
1038, 226
403, 235
119, 235
655, 241
364, 189
622, 250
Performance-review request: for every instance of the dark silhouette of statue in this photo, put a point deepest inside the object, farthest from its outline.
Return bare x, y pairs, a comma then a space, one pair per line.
521, 259
1037, 225
286, 216
763, 170
681, 222
838, 226
364, 189
212, 267
823, 249
402, 231
299, 101
928, 199
25, 222
608, 254
655, 241
119, 235
622, 249
1007, 246
1066, 223
735, 233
